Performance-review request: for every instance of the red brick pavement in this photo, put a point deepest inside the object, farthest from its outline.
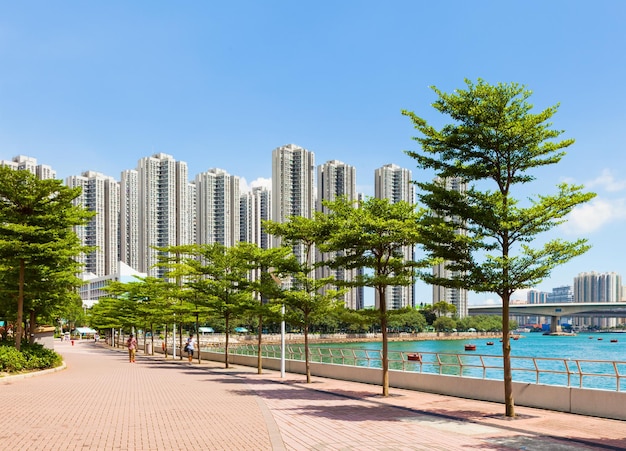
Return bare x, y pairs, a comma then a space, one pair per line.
103, 402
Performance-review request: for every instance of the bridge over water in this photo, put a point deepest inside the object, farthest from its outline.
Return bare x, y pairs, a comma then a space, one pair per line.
556, 310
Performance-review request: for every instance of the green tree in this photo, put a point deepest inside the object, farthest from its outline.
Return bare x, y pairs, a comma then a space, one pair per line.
373, 236
309, 298
444, 324
429, 314
358, 320
442, 308
220, 277
485, 233
179, 264
407, 318
36, 237
267, 268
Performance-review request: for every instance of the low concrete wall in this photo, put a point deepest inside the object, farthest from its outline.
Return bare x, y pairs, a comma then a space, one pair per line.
598, 403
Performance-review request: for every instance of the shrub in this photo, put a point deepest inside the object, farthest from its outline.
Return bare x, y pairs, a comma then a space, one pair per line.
30, 357
11, 360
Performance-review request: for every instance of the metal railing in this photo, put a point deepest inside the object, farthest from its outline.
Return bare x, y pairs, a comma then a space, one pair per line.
581, 373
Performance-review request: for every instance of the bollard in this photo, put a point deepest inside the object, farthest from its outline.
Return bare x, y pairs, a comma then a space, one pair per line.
72, 342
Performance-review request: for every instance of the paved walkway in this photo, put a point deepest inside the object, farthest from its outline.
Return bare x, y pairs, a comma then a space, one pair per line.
100, 401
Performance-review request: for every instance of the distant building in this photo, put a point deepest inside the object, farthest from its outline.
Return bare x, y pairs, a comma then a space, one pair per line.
129, 218
597, 287
336, 179
92, 289
217, 208
563, 294
454, 296
155, 211
24, 163
394, 183
100, 194
293, 188
255, 207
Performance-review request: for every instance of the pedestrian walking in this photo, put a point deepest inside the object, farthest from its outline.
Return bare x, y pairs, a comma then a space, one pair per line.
131, 344
190, 347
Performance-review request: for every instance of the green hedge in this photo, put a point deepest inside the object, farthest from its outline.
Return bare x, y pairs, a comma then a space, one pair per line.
29, 358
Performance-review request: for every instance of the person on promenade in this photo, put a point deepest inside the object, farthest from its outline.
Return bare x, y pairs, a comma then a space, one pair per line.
131, 344
190, 347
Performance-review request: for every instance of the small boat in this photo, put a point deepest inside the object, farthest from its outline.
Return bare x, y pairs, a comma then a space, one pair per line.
600, 338
590, 338
613, 340
515, 338
490, 343
470, 347
415, 357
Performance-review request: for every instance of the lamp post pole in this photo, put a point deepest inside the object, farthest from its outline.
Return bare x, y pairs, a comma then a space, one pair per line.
282, 342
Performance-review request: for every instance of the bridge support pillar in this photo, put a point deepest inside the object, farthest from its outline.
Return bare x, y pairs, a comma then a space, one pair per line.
554, 324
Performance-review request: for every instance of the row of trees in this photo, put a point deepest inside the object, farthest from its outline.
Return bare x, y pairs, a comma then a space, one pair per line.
38, 250
485, 234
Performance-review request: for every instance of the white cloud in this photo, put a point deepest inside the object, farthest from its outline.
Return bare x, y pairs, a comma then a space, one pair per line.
594, 215
244, 187
261, 182
607, 182
520, 295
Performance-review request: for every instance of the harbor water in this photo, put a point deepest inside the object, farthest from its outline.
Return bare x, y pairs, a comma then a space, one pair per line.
583, 360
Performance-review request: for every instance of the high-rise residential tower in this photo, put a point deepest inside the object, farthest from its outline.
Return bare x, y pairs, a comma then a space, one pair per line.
597, 287
163, 210
394, 183
129, 218
335, 179
101, 194
454, 296
293, 189
217, 204
24, 163
255, 207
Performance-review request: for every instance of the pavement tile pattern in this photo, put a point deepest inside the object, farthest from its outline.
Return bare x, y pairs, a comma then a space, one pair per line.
101, 401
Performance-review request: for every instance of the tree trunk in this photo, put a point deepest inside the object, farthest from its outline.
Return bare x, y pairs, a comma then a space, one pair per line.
307, 364
20, 308
506, 359
165, 341
198, 340
180, 340
31, 327
226, 344
152, 337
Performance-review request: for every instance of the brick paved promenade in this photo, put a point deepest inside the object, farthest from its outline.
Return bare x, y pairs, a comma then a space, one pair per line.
100, 401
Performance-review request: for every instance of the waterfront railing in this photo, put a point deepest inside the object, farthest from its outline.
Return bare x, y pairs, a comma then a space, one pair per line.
581, 373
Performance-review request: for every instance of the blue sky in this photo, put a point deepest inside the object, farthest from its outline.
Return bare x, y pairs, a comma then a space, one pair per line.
99, 85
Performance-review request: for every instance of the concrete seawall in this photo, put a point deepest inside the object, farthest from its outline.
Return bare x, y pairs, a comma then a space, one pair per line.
598, 403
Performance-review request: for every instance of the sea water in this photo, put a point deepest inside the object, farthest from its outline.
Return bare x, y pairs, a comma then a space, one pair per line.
594, 355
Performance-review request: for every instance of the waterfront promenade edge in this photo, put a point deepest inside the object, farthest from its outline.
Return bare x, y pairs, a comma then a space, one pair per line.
100, 401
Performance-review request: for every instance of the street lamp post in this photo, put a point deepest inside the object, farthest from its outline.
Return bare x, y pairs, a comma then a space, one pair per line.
282, 342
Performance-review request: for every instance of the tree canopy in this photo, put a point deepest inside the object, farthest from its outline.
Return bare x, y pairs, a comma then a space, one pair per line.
375, 235
485, 233
38, 247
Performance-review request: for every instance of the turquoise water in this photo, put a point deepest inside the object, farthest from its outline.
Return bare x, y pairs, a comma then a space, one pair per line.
581, 346
587, 358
